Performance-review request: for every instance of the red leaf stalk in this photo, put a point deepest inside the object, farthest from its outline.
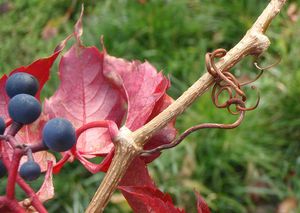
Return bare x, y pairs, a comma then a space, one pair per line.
112, 127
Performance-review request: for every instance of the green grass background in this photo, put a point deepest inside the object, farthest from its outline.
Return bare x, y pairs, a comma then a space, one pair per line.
250, 169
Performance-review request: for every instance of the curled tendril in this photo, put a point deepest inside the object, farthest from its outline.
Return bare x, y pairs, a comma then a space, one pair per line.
261, 69
224, 82
187, 132
267, 67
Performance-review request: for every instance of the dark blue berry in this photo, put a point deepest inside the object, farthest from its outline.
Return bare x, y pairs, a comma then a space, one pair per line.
2, 169
20, 83
59, 135
24, 108
30, 170
2, 126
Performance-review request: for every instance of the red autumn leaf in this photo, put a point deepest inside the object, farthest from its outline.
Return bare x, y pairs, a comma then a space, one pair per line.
4, 99
41, 67
142, 84
46, 192
142, 195
165, 135
145, 91
95, 86
149, 199
136, 175
84, 95
202, 206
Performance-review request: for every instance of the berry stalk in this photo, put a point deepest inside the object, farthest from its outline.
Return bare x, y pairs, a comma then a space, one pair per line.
36, 203
12, 173
13, 205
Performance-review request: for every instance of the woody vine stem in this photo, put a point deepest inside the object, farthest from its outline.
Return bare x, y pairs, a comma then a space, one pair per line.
129, 145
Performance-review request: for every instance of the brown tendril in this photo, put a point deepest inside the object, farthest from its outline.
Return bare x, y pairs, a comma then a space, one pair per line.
261, 69
224, 82
253, 80
198, 127
267, 67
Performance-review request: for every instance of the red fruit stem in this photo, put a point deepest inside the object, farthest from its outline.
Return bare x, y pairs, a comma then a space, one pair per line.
12, 173
13, 205
14, 128
29, 155
38, 147
36, 203
2, 201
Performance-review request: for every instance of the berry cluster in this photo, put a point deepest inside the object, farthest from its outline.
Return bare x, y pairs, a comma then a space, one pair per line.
23, 108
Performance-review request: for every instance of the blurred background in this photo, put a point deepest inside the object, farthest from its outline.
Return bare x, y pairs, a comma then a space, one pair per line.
254, 168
